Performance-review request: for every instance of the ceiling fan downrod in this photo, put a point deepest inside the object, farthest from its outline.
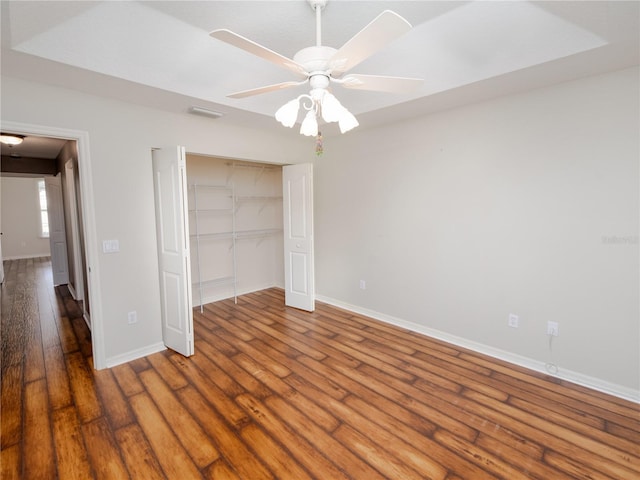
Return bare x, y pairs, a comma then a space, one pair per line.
317, 6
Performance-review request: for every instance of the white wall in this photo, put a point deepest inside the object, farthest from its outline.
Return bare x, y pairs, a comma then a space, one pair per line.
527, 204
21, 219
120, 140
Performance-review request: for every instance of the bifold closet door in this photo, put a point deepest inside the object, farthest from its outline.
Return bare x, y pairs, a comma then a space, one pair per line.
297, 193
170, 189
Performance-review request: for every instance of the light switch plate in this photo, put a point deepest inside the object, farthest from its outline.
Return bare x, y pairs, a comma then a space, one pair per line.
110, 246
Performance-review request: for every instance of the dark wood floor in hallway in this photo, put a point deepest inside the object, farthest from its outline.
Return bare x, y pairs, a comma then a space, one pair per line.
276, 393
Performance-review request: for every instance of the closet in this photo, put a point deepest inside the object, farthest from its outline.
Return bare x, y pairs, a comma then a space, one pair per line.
235, 227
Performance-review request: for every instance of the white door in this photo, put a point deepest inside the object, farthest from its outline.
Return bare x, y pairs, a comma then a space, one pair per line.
57, 232
170, 186
1, 261
72, 202
297, 186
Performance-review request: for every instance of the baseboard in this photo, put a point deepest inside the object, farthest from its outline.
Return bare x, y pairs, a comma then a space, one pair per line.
23, 257
134, 354
535, 365
158, 347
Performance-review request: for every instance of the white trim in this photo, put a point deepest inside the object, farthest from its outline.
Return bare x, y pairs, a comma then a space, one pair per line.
72, 291
88, 222
135, 354
535, 365
30, 255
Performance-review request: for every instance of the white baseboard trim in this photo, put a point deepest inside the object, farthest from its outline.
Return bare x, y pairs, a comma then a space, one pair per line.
22, 257
535, 365
135, 354
158, 347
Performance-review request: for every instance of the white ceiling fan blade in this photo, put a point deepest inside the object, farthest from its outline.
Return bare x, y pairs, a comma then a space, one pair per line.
266, 89
385, 28
380, 83
254, 48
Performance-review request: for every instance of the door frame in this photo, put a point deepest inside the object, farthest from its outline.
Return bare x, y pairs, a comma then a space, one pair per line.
88, 224
78, 273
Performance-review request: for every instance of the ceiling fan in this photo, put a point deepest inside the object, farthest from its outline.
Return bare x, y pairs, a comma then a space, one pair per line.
321, 66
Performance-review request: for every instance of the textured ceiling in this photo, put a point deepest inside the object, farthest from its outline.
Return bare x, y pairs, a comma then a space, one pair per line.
465, 51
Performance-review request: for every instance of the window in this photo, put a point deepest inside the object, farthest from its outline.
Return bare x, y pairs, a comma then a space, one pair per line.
44, 216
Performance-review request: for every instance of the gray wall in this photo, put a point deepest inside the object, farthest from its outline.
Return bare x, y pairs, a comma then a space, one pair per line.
527, 204
21, 219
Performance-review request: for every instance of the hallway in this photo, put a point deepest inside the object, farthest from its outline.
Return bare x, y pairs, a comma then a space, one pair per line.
42, 329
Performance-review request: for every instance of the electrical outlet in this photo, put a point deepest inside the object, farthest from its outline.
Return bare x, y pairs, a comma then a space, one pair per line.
363, 285
514, 320
132, 317
552, 328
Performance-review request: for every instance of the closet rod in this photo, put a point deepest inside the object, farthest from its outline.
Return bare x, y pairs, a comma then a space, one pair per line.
266, 166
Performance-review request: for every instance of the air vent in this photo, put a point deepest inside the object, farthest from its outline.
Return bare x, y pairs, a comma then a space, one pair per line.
205, 112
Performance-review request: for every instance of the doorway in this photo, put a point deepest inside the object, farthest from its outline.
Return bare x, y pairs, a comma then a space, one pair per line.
175, 235
41, 212
251, 228
235, 223
85, 238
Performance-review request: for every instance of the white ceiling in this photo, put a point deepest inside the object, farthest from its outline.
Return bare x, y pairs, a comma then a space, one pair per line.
159, 53
34, 147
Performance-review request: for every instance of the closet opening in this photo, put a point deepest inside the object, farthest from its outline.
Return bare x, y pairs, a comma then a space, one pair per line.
235, 227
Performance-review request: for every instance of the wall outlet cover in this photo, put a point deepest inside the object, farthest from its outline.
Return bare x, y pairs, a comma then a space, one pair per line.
110, 246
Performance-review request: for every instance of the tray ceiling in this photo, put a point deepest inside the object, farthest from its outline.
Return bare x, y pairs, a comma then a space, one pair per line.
465, 51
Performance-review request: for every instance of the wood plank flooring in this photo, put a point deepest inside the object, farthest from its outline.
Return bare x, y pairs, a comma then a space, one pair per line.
276, 393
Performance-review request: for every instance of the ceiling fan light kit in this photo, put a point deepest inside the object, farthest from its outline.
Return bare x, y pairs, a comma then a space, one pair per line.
319, 103
321, 65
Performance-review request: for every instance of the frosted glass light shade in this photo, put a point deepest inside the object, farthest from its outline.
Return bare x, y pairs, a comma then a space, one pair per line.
11, 140
309, 125
288, 113
321, 103
347, 121
331, 108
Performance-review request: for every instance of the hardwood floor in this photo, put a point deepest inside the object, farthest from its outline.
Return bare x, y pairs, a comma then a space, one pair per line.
276, 393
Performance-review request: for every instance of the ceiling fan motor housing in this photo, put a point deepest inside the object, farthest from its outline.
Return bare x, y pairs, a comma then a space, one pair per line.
315, 59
